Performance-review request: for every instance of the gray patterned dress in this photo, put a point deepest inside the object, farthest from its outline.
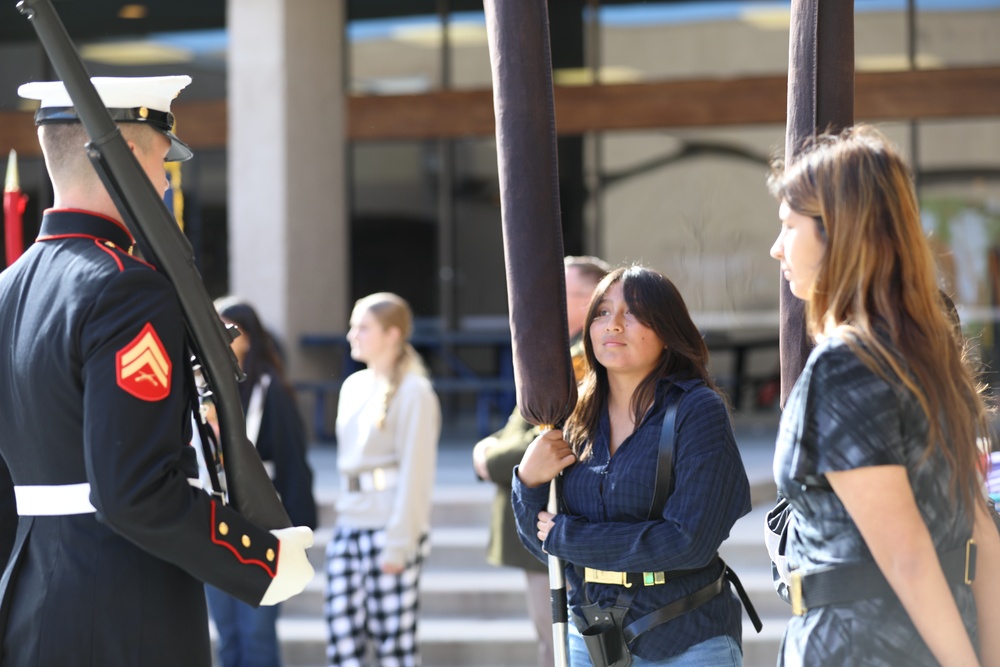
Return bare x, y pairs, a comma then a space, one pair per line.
840, 416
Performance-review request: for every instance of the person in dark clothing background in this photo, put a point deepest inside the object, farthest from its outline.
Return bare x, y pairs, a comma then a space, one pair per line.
248, 635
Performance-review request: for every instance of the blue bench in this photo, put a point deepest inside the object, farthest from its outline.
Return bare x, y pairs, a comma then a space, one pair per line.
495, 393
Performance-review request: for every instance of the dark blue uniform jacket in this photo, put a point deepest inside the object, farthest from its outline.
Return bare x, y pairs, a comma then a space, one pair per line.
93, 389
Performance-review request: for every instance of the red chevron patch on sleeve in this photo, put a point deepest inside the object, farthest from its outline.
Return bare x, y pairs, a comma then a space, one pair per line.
142, 367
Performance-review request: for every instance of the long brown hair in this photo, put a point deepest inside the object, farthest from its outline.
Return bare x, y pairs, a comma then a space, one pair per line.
877, 282
657, 303
392, 310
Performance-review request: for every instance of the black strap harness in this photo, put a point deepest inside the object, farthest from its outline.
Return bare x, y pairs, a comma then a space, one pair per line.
661, 490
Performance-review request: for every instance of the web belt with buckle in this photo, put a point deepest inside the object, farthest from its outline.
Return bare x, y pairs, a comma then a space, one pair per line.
374, 479
841, 584
626, 579
629, 579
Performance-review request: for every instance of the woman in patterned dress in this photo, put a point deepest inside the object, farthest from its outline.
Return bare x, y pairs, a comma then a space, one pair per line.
877, 450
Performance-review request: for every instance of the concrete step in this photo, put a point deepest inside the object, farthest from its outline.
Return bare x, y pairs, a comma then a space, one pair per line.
452, 641
486, 593
465, 504
459, 547
458, 641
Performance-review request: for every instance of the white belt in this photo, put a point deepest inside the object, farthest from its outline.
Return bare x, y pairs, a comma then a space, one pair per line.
58, 499
376, 479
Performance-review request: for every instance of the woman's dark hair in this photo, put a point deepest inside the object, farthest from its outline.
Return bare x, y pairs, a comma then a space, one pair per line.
657, 303
262, 356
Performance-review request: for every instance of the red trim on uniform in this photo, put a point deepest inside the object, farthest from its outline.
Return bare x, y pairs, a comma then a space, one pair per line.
110, 251
98, 240
141, 261
245, 561
96, 215
53, 237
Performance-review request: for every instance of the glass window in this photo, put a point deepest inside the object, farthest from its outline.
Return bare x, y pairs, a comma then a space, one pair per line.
480, 278
689, 40
394, 222
693, 204
881, 36
948, 33
206, 212
959, 187
395, 55
469, 56
30, 67
958, 33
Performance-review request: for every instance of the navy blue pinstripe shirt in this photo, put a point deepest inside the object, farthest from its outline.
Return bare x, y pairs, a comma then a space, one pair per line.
604, 522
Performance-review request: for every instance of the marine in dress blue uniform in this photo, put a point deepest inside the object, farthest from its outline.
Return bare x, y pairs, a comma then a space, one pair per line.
114, 539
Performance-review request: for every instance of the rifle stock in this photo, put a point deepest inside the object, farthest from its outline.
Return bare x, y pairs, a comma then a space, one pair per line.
250, 489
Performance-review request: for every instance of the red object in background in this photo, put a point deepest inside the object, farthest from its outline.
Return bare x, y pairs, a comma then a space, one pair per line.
14, 202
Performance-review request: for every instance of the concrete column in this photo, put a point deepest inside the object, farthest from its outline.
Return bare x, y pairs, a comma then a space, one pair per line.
288, 219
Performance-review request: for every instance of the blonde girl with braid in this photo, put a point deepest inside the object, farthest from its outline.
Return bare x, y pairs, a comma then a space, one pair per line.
388, 424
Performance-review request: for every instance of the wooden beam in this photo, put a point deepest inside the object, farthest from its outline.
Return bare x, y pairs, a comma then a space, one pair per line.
670, 104
922, 94
919, 94
879, 96
17, 131
203, 124
450, 113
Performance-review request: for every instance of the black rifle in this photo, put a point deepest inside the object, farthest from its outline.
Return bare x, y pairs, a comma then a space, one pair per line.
250, 490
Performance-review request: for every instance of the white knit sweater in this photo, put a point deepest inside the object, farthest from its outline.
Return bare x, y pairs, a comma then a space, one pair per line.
408, 439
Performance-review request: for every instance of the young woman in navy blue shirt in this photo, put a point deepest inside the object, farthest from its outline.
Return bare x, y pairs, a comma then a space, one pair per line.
644, 356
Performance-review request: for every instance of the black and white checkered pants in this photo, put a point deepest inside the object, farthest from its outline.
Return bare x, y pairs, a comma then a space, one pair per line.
366, 610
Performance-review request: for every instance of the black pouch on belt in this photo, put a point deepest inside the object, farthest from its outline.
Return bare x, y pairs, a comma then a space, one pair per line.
604, 635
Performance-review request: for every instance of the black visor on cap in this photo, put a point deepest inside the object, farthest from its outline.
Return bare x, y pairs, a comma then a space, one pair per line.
162, 121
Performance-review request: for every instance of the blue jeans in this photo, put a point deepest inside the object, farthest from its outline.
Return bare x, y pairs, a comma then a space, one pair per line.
248, 637
721, 651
